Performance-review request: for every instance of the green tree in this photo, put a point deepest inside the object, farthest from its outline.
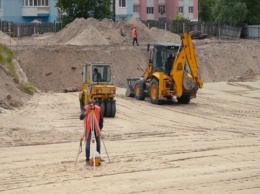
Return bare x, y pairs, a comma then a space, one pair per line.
205, 10
69, 10
253, 15
230, 11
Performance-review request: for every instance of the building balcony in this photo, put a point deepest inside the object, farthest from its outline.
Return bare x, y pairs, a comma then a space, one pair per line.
35, 11
136, 2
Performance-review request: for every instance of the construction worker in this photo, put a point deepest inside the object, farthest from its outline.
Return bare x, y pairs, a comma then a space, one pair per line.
96, 75
98, 125
134, 36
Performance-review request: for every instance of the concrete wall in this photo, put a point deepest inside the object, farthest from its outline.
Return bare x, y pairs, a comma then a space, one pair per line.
150, 3
11, 10
171, 8
143, 5
195, 10
253, 31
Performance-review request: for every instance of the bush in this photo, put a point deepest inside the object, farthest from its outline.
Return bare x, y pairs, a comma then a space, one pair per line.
28, 88
6, 57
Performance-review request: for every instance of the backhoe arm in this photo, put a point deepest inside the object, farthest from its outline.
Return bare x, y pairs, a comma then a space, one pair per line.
148, 72
187, 55
191, 58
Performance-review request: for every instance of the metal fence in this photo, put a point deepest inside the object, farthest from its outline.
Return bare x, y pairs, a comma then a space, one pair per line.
210, 28
28, 29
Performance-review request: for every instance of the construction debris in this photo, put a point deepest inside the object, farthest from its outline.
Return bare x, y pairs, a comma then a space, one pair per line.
198, 35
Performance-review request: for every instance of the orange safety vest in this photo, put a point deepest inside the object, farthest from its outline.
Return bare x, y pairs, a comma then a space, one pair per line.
88, 121
134, 33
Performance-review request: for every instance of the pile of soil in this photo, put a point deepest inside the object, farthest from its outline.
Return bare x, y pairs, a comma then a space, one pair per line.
5, 39
11, 95
105, 32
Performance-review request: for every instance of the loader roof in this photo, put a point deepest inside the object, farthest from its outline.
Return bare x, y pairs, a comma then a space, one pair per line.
166, 44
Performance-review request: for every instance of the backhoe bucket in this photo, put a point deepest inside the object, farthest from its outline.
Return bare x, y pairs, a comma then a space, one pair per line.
130, 91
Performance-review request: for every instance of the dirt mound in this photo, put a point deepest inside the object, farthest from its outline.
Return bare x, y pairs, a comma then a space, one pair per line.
88, 32
145, 34
95, 32
221, 60
63, 66
248, 76
6, 39
90, 36
10, 96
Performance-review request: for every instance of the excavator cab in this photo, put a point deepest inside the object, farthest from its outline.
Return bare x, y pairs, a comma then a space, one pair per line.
162, 57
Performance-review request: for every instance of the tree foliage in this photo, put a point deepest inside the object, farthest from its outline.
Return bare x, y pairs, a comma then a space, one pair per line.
230, 11
205, 10
69, 10
180, 18
253, 15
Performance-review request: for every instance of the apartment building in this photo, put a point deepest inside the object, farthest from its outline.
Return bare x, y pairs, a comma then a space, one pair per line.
28, 10
46, 10
156, 9
123, 9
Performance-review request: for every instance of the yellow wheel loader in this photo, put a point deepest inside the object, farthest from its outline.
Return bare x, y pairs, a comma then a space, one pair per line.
172, 72
97, 84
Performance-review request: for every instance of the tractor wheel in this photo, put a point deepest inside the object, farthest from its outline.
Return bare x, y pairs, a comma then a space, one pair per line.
113, 108
185, 99
108, 109
154, 92
139, 91
103, 108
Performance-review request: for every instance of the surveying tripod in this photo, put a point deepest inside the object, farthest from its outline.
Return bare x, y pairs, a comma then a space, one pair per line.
94, 122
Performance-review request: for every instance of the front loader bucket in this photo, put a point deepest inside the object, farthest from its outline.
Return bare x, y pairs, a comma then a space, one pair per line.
130, 90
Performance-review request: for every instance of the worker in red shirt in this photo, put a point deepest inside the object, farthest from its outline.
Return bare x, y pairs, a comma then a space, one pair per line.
98, 125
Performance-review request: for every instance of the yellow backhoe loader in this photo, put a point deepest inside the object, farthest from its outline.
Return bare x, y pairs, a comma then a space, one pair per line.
172, 72
97, 84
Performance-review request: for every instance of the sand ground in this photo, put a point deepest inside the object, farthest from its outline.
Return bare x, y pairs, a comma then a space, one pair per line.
211, 145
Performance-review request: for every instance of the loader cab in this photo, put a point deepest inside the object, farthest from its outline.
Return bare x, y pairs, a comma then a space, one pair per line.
97, 84
95, 73
162, 57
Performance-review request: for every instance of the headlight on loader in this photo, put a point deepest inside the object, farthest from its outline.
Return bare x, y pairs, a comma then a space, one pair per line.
99, 91
112, 91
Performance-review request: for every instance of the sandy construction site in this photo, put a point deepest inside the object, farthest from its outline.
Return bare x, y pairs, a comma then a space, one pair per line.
211, 145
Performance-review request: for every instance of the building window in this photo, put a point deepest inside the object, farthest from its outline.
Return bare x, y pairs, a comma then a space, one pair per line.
149, 10
190, 9
122, 3
136, 8
181, 9
161, 9
34, 3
